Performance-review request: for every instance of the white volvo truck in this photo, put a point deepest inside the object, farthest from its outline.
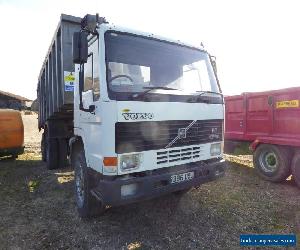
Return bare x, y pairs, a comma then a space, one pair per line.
138, 115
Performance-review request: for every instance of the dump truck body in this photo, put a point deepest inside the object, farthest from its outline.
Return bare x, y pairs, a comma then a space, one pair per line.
11, 133
269, 123
264, 117
55, 89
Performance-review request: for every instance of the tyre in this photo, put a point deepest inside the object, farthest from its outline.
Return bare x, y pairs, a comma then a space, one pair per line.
296, 168
87, 204
43, 147
52, 153
272, 162
62, 153
14, 157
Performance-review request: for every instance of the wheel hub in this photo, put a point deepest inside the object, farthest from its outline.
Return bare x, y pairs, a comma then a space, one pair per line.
268, 161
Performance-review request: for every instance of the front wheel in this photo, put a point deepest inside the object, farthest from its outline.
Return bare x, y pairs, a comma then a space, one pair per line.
87, 204
272, 162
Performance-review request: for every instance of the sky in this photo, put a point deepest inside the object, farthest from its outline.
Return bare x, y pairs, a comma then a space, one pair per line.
256, 43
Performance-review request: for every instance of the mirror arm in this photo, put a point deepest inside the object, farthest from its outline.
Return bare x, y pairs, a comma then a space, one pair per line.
213, 61
80, 86
91, 109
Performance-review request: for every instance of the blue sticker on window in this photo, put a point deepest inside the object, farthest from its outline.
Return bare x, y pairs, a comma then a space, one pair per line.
69, 88
69, 79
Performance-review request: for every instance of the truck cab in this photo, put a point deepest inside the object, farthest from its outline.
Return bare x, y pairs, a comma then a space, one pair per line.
148, 117
138, 115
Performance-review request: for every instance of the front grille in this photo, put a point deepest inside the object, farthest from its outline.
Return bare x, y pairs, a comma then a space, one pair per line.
150, 135
178, 155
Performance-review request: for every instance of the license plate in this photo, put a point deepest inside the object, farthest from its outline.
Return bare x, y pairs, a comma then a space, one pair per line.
177, 178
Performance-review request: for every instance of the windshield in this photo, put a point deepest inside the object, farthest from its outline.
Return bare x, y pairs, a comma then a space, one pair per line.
135, 64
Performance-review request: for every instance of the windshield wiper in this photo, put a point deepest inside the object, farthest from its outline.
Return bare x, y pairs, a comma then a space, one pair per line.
205, 99
149, 89
208, 92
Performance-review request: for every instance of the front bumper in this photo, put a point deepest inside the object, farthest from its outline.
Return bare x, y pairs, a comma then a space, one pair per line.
158, 183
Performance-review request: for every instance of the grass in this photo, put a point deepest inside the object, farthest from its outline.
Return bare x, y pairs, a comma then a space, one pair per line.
38, 211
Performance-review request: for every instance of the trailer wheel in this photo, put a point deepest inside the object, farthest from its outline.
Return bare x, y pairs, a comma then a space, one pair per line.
43, 147
296, 168
272, 162
52, 153
87, 204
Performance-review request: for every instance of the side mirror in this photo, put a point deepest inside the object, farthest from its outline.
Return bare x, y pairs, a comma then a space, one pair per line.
80, 47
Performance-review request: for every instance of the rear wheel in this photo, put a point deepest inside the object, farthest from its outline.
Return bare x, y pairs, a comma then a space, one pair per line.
62, 153
87, 204
296, 168
43, 147
52, 153
272, 162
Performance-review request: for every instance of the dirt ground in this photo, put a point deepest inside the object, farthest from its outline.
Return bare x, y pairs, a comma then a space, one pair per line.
37, 210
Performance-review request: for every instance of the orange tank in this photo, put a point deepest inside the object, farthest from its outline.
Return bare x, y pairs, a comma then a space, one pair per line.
11, 132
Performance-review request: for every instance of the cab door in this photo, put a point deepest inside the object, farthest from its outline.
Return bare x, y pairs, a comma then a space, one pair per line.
90, 121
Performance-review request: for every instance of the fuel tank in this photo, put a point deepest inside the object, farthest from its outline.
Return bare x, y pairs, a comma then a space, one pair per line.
11, 132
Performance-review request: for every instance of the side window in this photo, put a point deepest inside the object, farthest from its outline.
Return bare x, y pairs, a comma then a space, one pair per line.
91, 71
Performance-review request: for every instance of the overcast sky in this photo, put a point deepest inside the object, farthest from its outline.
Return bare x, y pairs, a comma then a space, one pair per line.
257, 43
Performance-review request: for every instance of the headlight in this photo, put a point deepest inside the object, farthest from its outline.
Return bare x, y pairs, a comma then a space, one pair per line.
215, 149
130, 161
